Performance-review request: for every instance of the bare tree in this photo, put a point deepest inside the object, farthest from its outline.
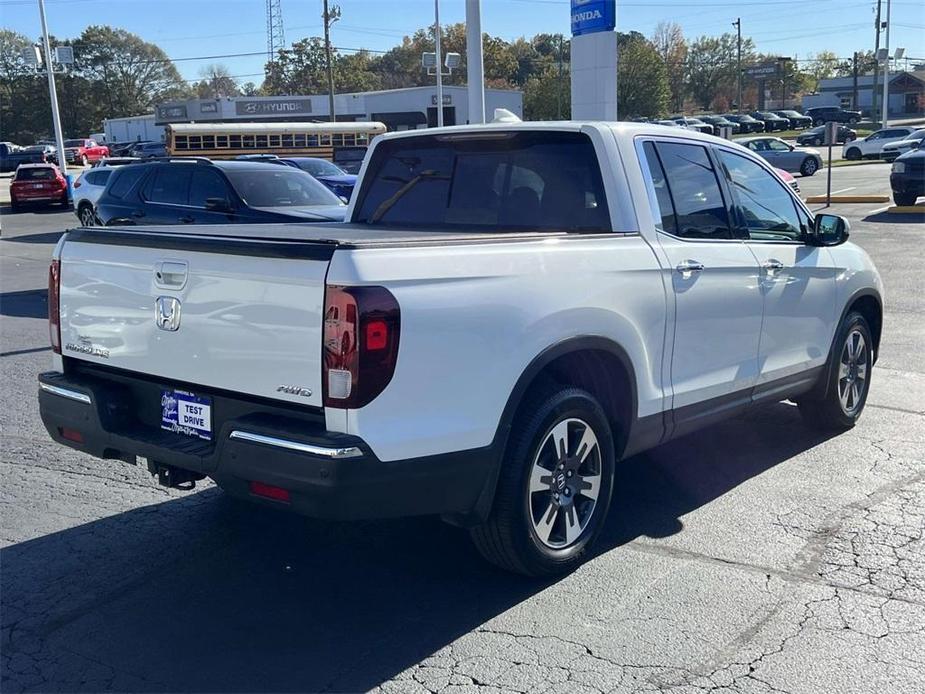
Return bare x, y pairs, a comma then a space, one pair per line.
668, 39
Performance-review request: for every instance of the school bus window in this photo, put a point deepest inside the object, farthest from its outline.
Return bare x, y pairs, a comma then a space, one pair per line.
208, 142
180, 142
221, 141
349, 139
234, 141
261, 142
361, 138
325, 140
311, 141
195, 142
337, 139
298, 140
247, 142
287, 141
275, 141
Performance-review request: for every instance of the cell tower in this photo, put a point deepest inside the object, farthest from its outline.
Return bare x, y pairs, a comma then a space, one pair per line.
275, 38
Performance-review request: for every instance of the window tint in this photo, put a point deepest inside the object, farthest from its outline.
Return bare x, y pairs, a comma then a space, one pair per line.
767, 209
98, 178
513, 181
35, 174
280, 186
665, 210
778, 146
124, 180
205, 185
169, 185
695, 191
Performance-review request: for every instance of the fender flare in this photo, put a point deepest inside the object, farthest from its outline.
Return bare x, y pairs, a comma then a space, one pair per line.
823, 387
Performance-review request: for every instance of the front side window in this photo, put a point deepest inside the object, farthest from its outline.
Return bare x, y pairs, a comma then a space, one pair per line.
698, 201
537, 181
665, 213
205, 185
766, 208
281, 187
169, 185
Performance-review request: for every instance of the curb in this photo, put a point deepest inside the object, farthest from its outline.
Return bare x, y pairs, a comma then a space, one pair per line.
849, 198
907, 209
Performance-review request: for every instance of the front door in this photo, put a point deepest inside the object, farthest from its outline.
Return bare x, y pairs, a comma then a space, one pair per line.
797, 281
714, 281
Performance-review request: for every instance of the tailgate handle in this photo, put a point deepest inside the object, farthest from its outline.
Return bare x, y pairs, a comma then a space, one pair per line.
170, 274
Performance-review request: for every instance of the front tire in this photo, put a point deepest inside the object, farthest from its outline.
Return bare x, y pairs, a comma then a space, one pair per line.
853, 154
83, 160
809, 166
904, 199
554, 486
848, 374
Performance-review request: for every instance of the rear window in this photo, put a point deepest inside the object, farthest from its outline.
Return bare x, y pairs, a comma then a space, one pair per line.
529, 181
98, 178
36, 174
124, 179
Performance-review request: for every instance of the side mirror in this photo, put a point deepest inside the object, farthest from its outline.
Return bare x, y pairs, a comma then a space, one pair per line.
791, 147
829, 230
218, 205
344, 199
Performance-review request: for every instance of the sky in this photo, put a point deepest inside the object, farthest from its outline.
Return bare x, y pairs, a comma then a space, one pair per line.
200, 29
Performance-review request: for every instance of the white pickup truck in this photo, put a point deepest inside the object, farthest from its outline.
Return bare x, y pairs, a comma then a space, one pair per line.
510, 311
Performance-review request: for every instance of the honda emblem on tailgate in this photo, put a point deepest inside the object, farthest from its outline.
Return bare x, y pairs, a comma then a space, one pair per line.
167, 313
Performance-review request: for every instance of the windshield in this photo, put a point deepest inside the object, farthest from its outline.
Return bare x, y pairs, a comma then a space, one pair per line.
319, 167
277, 186
532, 181
73, 143
35, 174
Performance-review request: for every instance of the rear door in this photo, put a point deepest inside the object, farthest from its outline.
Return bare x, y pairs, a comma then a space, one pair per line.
713, 275
166, 195
206, 309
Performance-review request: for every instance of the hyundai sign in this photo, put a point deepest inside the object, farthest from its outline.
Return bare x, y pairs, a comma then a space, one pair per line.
591, 16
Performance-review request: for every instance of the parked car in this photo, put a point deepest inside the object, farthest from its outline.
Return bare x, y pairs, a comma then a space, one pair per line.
335, 178
833, 114
907, 177
84, 151
350, 159
694, 124
784, 156
670, 123
439, 355
869, 147
38, 183
148, 150
89, 186
815, 137
48, 152
912, 141
11, 156
123, 149
797, 120
772, 122
789, 179
199, 191
746, 123
720, 122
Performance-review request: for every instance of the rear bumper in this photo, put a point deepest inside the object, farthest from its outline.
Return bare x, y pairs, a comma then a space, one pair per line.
327, 474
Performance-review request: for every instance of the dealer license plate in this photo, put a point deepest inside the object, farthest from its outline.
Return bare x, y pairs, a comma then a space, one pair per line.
186, 413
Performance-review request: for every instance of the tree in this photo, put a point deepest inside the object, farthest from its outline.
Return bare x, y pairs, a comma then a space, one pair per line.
217, 82
711, 66
642, 79
668, 40
298, 70
548, 95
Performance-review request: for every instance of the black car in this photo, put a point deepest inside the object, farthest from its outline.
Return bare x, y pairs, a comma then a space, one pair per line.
771, 121
747, 124
335, 178
907, 177
815, 137
720, 122
148, 150
199, 191
797, 120
833, 114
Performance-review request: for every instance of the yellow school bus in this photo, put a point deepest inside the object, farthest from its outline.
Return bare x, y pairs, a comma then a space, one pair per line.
229, 140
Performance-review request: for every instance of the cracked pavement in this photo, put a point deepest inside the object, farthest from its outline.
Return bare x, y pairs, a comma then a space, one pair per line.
756, 556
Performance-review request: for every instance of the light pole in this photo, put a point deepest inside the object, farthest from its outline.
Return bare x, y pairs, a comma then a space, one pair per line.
53, 95
738, 25
474, 68
439, 64
886, 71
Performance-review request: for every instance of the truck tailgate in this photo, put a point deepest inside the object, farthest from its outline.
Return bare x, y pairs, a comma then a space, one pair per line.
231, 312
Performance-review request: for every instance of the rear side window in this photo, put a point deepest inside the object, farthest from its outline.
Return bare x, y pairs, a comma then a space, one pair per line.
169, 185
205, 185
699, 208
124, 180
504, 182
98, 178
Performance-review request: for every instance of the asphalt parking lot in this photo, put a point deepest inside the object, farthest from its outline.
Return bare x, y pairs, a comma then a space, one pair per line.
755, 556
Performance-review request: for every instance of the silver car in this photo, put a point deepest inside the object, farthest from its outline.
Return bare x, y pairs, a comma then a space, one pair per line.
784, 156
912, 141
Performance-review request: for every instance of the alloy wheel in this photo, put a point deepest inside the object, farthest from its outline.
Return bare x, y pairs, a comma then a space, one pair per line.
565, 482
87, 218
852, 372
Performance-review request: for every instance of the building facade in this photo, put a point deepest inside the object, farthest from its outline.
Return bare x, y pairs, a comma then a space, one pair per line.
906, 94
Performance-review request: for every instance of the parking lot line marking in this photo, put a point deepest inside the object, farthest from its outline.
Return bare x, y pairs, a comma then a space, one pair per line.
843, 190
878, 210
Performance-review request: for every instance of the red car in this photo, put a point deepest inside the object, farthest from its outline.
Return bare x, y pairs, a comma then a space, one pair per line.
84, 151
38, 183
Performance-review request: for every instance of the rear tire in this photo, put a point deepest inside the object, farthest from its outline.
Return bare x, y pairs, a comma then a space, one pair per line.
543, 524
809, 166
87, 216
848, 371
853, 154
904, 199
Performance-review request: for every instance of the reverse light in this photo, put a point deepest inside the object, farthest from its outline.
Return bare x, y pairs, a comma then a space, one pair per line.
54, 304
360, 344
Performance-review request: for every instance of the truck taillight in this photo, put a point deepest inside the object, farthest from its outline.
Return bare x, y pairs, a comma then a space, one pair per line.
360, 348
54, 304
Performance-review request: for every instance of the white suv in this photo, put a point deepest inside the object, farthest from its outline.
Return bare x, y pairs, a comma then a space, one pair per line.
869, 147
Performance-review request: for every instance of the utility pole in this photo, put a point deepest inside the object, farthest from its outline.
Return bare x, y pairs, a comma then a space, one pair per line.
439, 64
475, 70
738, 25
886, 71
331, 15
873, 89
53, 96
854, 81
559, 84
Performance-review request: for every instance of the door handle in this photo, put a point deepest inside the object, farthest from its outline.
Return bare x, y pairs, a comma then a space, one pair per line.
187, 219
771, 266
687, 268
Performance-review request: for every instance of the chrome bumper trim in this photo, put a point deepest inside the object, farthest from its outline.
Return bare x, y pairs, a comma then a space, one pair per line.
65, 393
323, 451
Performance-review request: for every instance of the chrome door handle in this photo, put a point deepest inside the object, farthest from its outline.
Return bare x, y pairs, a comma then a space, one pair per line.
687, 268
771, 266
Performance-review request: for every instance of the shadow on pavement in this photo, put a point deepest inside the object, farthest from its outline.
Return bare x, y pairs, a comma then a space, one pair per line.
896, 218
206, 594
49, 237
31, 303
